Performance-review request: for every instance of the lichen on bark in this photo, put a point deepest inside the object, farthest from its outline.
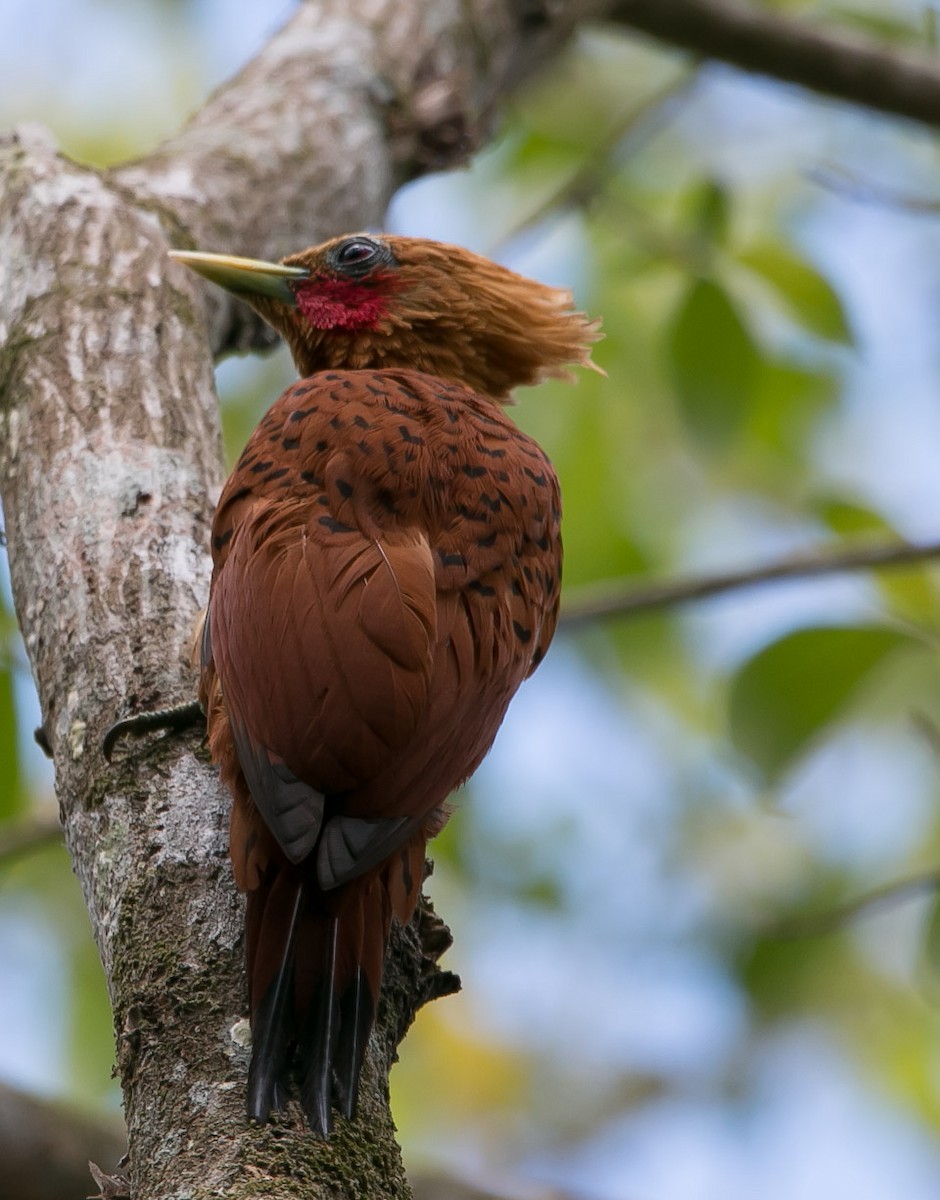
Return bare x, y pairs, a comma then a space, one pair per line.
109, 466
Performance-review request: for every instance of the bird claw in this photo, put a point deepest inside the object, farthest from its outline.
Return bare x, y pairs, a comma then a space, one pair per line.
176, 719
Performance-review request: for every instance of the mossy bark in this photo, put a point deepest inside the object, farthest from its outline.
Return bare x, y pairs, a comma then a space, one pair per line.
110, 463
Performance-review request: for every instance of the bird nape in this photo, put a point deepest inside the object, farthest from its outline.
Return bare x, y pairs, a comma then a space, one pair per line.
387, 560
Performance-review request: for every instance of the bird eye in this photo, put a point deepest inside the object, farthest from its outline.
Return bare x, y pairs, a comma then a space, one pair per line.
355, 252
358, 256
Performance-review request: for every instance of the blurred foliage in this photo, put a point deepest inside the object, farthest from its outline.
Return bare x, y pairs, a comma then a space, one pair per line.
713, 363
792, 690
735, 354
12, 795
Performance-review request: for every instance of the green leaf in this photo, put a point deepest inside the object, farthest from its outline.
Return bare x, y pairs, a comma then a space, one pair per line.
789, 399
598, 540
912, 590
793, 689
811, 298
711, 210
784, 977
713, 362
930, 945
851, 519
892, 29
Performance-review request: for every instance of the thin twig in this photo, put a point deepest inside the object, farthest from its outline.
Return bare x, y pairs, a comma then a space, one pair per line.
28, 834
817, 924
849, 186
619, 600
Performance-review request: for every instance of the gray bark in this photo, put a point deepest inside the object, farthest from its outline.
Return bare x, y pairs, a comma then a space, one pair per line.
109, 467
110, 463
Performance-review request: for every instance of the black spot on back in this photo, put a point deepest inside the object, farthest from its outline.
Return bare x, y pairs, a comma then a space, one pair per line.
482, 589
335, 526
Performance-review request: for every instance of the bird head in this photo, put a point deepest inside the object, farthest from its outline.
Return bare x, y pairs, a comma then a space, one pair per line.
381, 301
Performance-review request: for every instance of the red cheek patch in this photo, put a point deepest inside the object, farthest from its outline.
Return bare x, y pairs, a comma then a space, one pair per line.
341, 303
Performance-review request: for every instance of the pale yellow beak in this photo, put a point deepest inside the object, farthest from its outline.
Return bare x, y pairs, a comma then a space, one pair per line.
244, 276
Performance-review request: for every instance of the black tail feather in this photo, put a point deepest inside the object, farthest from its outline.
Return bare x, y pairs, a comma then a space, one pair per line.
271, 1027
357, 1012
315, 968
319, 1046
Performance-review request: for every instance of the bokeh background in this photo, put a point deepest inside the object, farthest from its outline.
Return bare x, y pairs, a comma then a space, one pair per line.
673, 797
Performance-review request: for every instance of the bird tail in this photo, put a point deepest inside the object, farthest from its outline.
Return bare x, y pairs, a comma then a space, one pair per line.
315, 970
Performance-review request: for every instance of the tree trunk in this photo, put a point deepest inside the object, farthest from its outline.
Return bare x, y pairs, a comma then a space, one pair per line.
109, 467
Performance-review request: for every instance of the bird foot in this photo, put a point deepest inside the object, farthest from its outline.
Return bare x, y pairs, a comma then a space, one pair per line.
176, 719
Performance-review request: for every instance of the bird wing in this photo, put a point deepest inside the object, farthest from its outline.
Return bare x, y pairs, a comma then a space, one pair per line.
322, 639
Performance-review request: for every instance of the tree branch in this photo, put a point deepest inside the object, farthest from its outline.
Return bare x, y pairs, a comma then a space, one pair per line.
390, 90
27, 834
897, 891
109, 463
45, 1148
842, 65
621, 600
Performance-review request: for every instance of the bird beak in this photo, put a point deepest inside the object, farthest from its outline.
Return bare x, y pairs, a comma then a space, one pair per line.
245, 276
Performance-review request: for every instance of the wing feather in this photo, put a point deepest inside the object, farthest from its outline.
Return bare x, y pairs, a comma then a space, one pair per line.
323, 641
